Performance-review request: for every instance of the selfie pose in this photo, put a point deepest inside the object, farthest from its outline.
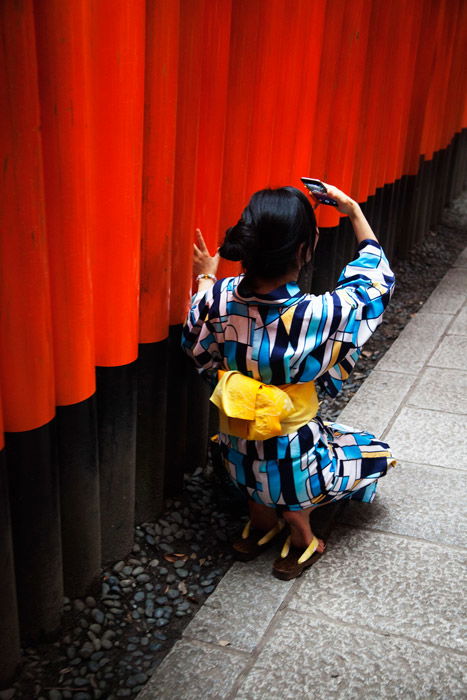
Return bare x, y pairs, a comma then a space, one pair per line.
264, 344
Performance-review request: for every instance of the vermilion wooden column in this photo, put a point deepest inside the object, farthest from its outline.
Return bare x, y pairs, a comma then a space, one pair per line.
161, 90
64, 73
188, 115
9, 637
208, 167
115, 112
26, 360
325, 268
241, 95
340, 142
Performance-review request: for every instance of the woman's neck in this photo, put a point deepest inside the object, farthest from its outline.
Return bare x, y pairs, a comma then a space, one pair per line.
263, 286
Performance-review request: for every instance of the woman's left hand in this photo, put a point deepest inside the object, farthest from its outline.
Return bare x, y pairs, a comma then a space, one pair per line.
203, 262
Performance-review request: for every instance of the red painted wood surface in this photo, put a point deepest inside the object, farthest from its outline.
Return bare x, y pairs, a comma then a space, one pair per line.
26, 357
115, 113
136, 122
64, 72
160, 128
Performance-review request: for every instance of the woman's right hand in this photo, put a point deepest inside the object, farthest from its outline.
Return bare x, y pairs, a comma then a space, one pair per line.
345, 204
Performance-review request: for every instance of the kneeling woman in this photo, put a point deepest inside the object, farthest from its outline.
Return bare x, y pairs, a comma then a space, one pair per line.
266, 344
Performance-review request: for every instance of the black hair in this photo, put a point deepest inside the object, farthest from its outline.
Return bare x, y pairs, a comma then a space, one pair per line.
270, 231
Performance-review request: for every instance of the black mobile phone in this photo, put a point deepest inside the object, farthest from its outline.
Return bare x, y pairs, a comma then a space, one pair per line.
318, 190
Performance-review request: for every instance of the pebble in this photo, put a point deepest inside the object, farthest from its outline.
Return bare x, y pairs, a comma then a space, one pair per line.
167, 548
86, 650
160, 635
98, 615
137, 679
53, 694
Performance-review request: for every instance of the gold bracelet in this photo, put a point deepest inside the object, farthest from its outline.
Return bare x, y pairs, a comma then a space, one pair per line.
206, 276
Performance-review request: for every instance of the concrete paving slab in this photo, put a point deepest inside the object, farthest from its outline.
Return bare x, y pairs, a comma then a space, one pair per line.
307, 656
440, 390
373, 406
242, 606
192, 670
429, 437
449, 295
451, 353
389, 584
411, 501
459, 325
413, 347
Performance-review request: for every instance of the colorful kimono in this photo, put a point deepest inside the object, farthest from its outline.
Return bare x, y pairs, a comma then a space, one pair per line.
285, 337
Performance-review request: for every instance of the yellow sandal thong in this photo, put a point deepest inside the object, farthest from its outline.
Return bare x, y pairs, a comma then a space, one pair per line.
253, 541
293, 560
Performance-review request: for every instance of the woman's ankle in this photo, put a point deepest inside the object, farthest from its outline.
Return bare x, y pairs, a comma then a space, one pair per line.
262, 517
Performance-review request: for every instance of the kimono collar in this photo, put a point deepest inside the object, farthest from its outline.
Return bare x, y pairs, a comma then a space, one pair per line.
286, 294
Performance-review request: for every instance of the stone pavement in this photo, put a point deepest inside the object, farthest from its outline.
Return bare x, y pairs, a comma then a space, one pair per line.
380, 616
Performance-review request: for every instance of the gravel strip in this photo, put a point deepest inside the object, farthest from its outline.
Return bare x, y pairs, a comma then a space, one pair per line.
115, 637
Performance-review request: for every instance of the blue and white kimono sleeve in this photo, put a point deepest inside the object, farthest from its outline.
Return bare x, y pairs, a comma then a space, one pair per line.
359, 300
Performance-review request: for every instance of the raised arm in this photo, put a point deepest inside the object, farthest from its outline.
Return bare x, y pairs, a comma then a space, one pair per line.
350, 208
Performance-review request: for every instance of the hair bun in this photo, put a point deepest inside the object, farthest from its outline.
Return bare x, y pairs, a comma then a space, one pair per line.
238, 242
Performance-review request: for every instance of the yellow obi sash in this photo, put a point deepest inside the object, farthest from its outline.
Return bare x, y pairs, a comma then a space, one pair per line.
252, 410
